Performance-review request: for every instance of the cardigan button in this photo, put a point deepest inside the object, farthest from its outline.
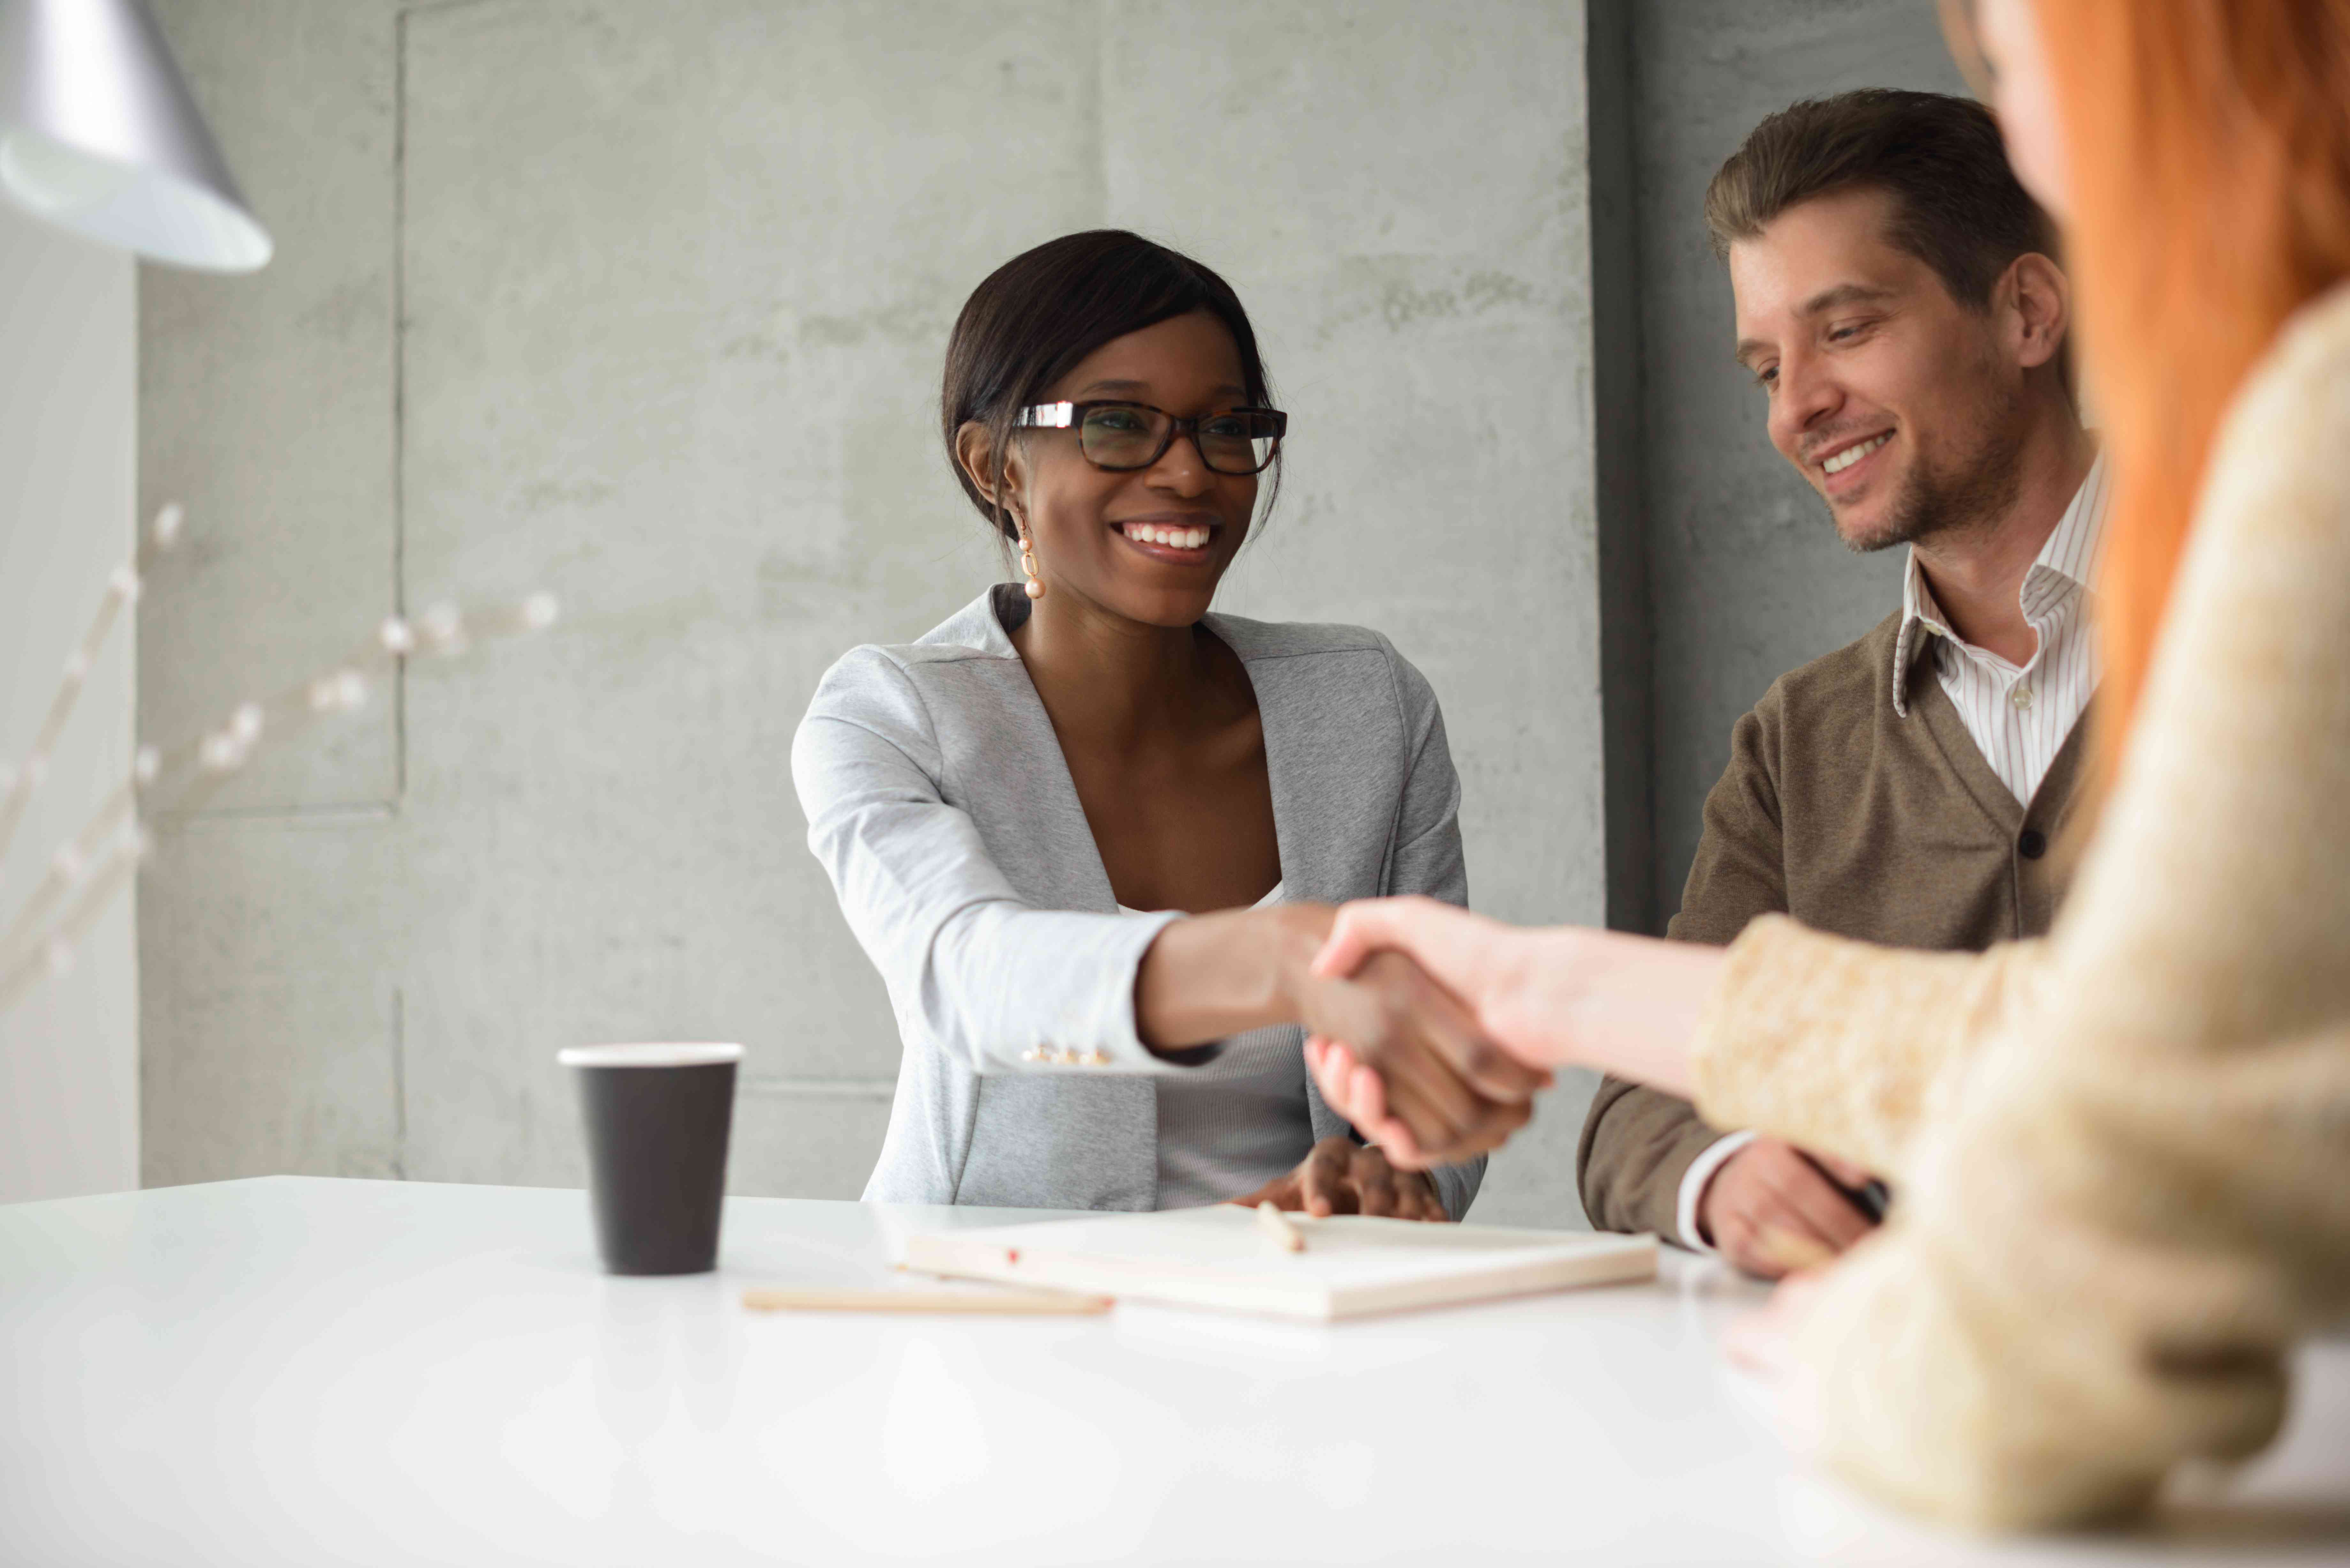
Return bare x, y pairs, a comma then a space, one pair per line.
2033, 844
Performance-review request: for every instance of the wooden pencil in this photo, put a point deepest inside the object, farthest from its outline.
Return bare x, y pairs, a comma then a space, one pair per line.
1277, 1226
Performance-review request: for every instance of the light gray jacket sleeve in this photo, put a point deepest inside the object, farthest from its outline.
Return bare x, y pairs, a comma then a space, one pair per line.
969, 966
1427, 858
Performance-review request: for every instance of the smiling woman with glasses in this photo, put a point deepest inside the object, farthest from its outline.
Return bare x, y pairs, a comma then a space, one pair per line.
1091, 833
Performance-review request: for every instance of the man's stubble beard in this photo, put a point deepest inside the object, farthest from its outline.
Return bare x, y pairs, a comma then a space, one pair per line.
1980, 489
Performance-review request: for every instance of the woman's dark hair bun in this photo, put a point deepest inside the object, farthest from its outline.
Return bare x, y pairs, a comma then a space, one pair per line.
1041, 313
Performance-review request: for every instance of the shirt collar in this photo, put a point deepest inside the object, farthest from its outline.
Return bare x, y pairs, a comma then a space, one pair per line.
2067, 563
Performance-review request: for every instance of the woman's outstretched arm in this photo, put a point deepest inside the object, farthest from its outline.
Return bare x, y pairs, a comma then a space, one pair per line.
1015, 989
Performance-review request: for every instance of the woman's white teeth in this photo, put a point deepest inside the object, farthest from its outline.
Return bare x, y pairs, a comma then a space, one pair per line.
1853, 454
1160, 533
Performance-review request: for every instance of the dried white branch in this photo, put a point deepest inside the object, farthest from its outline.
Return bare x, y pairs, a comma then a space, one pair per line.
55, 956
122, 587
199, 767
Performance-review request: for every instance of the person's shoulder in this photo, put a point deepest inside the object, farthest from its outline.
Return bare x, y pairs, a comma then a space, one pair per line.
2310, 361
1328, 652
2270, 542
1266, 640
887, 673
1846, 683
2291, 422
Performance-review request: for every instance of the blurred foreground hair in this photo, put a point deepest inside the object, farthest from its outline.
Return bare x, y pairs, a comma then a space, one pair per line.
2208, 150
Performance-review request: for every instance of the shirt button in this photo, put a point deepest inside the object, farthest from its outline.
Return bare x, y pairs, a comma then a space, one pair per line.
2033, 844
2021, 697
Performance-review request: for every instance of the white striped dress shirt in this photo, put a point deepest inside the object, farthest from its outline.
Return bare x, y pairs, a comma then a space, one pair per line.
2019, 715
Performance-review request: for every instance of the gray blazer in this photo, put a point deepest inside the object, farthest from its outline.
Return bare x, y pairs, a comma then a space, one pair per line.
942, 807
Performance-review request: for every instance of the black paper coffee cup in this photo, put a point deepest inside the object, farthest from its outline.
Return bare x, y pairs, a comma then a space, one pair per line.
656, 1119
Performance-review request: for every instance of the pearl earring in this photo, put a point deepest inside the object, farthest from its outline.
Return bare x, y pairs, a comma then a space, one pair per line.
1028, 564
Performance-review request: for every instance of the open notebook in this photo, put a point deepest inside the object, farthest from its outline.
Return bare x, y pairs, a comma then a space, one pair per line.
1221, 1257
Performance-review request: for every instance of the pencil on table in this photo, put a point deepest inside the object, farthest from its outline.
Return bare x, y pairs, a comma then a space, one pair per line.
1276, 1225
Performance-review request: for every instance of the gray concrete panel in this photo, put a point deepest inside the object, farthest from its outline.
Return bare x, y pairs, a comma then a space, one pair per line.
267, 401
270, 957
803, 1144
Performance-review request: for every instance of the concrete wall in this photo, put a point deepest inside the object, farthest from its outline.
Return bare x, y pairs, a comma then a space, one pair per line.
645, 304
70, 1052
1745, 578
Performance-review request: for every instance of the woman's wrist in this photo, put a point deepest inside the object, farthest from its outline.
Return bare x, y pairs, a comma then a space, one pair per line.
1296, 935
1211, 976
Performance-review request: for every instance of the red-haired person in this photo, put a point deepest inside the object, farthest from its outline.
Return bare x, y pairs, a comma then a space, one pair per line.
2121, 1148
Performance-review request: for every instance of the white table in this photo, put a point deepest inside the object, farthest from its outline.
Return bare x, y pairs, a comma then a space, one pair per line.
305, 1371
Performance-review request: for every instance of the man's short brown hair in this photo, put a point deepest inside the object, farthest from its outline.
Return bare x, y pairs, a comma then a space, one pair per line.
1956, 205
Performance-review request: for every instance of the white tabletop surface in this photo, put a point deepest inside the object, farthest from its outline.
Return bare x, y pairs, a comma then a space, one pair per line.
307, 1371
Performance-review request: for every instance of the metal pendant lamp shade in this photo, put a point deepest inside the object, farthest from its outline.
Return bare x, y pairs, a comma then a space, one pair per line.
99, 135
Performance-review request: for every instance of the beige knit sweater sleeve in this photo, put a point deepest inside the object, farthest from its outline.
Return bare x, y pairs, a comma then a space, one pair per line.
2124, 1152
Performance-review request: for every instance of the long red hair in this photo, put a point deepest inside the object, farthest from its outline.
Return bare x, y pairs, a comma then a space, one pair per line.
2208, 148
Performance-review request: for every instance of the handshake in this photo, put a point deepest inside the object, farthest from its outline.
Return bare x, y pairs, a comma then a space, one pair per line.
1430, 1028
1392, 1002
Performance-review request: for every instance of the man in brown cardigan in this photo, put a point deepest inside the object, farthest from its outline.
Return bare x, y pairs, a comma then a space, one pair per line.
1897, 303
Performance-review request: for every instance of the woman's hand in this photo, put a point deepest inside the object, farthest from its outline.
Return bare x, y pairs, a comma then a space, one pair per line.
1343, 1177
1626, 1004
1457, 1093
1359, 1094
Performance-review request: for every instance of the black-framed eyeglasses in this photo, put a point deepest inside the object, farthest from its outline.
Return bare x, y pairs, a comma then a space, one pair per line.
1122, 437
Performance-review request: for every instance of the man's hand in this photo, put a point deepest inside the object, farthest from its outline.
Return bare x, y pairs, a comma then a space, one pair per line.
1343, 1177
1772, 1209
1447, 1092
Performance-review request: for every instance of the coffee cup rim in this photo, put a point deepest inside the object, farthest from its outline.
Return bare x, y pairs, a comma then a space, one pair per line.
651, 1054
